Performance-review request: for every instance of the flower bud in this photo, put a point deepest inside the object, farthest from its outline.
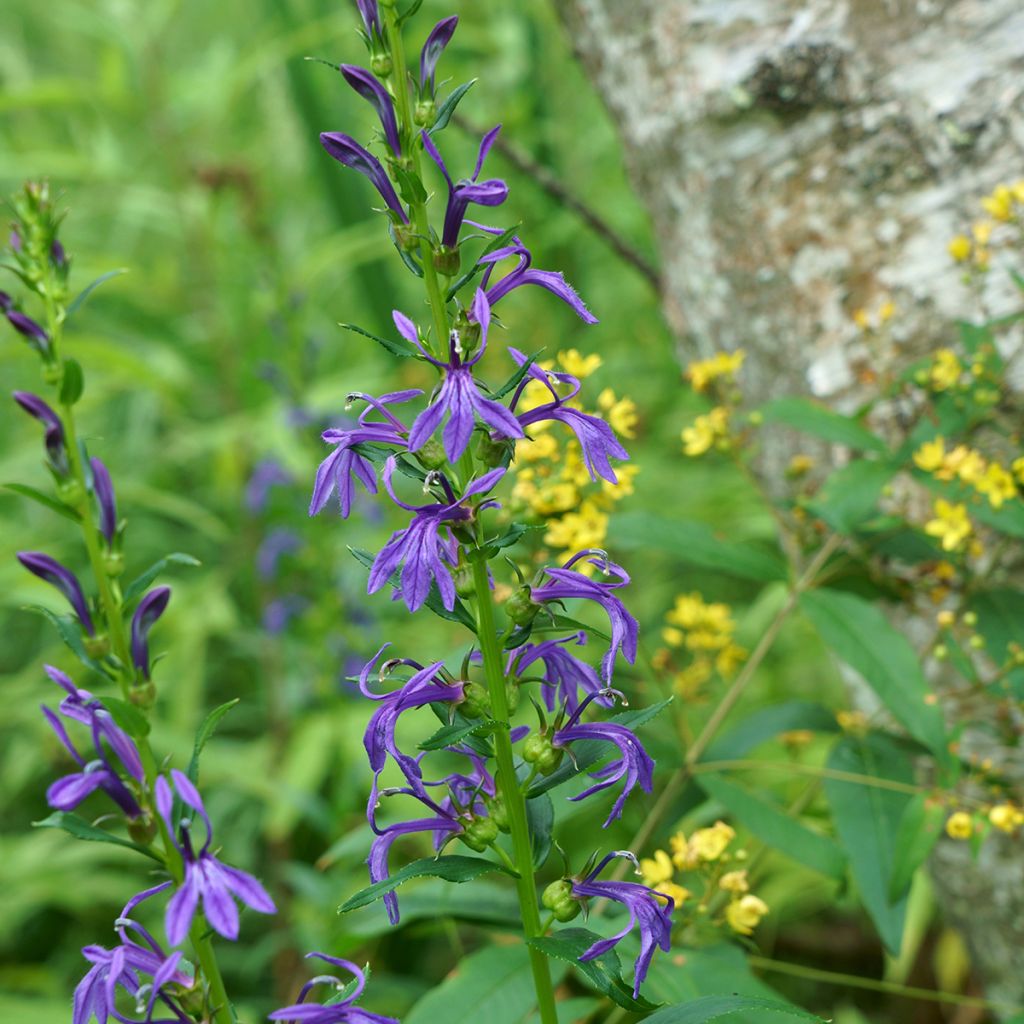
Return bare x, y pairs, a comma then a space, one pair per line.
498, 811
113, 563
381, 64
521, 608
425, 114
539, 750
447, 260
492, 453
431, 454
143, 695
96, 646
558, 898
142, 830
465, 586
71, 493
479, 834
405, 237
476, 701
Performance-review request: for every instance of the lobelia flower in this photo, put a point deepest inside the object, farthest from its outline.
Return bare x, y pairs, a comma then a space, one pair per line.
458, 398
344, 1011
566, 583
645, 909
150, 608
371, 17
54, 435
564, 675
103, 488
419, 550
440, 36
49, 569
635, 765
598, 442
277, 543
374, 93
267, 473
338, 470
347, 151
492, 192
207, 879
6, 302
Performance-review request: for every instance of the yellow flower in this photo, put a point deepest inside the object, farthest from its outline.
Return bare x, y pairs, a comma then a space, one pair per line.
745, 914
619, 412
578, 365
555, 498
1017, 188
959, 248
622, 489
855, 722
929, 456
959, 825
710, 843
678, 894
963, 462
951, 524
799, 466
861, 319
797, 737
945, 370
586, 528
1006, 817
945, 618
997, 485
683, 855
729, 658
706, 431
982, 231
657, 869
999, 204
722, 365
543, 446
734, 881
688, 682
672, 636
886, 311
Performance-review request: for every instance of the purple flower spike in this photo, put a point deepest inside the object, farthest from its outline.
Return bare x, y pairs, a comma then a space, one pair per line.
104, 491
635, 765
347, 151
440, 36
151, 607
566, 583
49, 569
458, 398
565, 676
343, 1011
206, 878
345, 464
371, 17
374, 93
419, 550
54, 436
645, 909
523, 274
484, 193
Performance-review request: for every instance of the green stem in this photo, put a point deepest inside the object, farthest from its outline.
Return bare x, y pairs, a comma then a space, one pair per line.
508, 786
221, 1006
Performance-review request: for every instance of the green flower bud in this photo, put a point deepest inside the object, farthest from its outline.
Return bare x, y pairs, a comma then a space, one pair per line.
521, 608
539, 750
113, 563
479, 834
381, 64
97, 646
143, 695
425, 114
432, 455
70, 491
447, 261
558, 898
476, 701
512, 693
498, 811
142, 830
464, 583
492, 453
405, 236
53, 373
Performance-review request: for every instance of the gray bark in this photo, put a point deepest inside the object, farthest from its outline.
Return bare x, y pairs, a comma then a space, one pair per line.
802, 159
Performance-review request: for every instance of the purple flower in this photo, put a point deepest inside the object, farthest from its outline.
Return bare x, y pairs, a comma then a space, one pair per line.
645, 909
54, 435
341, 1012
566, 583
347, 151
280, 612
336, 472
564, 675
151, 607
492, 192
266, 474
57, 254
49, 569
277, 543
458, 398
14, 240
419, 549
206, 878
6, 302
29, 329
371, 17
523, 274
440, 36
374, 93
598, 442
635, 765
104, 491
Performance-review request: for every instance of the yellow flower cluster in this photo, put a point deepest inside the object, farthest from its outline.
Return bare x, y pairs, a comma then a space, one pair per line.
969, 466
701, 858
1006, 817
706, 432
1004, 205
866, 322
946, 370
723, 366
951, 525
551, 478
705, 631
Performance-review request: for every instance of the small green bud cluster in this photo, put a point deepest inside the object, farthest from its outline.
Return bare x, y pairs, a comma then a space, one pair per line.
558, 898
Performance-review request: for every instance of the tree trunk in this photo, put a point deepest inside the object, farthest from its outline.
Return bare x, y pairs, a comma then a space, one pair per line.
803, 159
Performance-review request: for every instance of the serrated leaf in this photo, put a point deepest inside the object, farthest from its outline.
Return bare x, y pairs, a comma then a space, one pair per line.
45, 500
72, 383
919, 831
79, 300
861, 636
850, 495
127, 716
809, 417
449, 735
205, 732
456, 868
405, 257
139, 585
715, 1008
513, 382
447, 108
512, 535
82, 829
588, 753
604, 972
397, 347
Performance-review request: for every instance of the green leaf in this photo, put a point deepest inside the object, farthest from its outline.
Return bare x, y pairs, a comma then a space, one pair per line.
977, 339
919, 831
447, 108
449, 735
809, 417
70, 632
127, 716
697, 544
456, 868
396, 346
460, 613
604, 972
79, 300
404, 256
45, 500
205, 731
1001, 622
513, 382
867, 818
774, 826
139, 585
861, 636
850, 495
767, 723
589, 752
72, 383
714, 1008
540, 816
512, 535
81, 829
